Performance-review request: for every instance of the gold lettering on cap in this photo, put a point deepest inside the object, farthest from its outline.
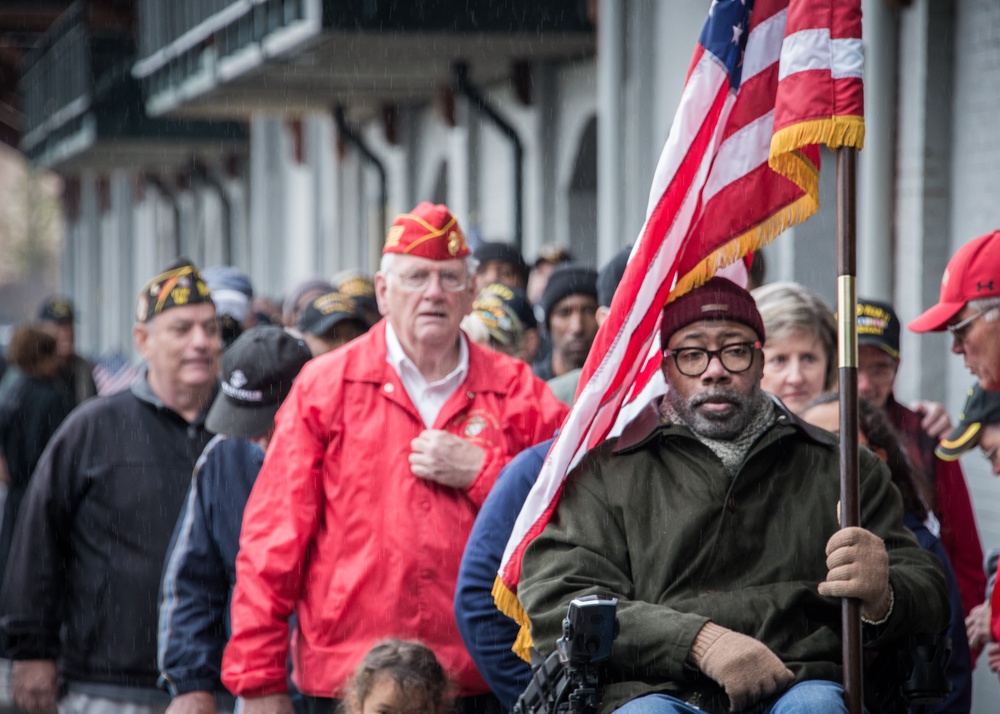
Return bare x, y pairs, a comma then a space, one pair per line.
329, 304
392, 238
715, 307
872, 320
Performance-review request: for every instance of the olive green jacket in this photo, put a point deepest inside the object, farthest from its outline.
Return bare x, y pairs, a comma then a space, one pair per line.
653, 519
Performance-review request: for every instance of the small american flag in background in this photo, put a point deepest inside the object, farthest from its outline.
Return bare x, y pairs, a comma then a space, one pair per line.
113, 373
770, 80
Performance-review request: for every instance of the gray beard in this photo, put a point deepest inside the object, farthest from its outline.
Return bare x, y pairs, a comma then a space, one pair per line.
711, 425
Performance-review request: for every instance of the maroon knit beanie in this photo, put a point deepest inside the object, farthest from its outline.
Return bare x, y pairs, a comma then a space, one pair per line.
718, 299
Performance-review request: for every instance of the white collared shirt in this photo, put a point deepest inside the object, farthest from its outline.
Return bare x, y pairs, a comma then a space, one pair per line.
428, 398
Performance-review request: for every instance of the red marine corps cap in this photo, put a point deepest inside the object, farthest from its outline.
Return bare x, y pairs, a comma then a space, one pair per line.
428, 231
972, 273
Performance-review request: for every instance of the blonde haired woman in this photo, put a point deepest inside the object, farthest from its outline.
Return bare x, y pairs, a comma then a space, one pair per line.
800, 352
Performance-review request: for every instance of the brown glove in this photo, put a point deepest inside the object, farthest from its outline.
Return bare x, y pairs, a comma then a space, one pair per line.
745, 667
858, 566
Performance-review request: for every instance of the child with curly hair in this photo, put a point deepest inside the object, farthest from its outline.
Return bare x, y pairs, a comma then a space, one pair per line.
398, 677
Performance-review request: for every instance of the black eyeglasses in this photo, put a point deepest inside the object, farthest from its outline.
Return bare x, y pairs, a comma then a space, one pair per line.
693, 361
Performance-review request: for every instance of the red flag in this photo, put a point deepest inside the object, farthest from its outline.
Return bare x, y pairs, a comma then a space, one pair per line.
770, 80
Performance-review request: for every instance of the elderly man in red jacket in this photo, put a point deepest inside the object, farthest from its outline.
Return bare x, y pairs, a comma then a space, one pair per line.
382, 455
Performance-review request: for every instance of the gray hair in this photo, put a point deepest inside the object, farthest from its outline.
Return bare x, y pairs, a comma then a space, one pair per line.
787, 308
987, 306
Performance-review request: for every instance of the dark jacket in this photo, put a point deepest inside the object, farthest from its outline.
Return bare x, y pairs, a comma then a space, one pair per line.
77, 380
654, 519
950, 502
959, 667
30, 413
488, 633
200, 568
88, 548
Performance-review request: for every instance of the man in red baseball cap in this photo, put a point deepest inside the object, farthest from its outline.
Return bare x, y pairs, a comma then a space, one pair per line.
969, 307
383, 453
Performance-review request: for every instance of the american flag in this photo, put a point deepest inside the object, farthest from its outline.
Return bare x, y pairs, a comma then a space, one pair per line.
113, 373
770, 80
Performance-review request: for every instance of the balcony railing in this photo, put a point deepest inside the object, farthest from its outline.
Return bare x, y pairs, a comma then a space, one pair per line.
57, 82
79, 92
182, 39
193, 52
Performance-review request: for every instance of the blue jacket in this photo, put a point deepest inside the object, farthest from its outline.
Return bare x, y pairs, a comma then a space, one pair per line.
488, 633
200, 568
959, 668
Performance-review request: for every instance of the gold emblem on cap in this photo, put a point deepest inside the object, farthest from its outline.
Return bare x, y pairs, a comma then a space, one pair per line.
333, 302
454, 243
393, 236
355, 287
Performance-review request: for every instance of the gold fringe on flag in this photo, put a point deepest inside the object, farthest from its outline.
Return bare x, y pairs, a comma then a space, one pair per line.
751, 241
507, 603
787, 160
835, 132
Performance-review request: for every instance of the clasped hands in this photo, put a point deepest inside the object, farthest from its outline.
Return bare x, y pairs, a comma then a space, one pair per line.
858, 567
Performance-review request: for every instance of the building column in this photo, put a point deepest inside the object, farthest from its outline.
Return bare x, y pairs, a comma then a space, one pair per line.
923, 201
610, 78
88, 254
876, 169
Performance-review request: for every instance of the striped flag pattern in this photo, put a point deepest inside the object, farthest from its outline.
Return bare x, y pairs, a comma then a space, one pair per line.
113, 373
770, 80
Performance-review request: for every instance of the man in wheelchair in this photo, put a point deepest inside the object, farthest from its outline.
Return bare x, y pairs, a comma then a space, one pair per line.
713, 521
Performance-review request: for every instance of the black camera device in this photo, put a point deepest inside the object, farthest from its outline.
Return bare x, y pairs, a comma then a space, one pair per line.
913, 675
568, 681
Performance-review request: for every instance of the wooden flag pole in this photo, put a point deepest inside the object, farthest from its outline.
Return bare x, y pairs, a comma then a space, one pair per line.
850, 501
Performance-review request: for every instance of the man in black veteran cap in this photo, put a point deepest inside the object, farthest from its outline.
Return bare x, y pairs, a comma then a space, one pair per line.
96, 520
331, 321
56, 316
942, 479
500, 263
980, 426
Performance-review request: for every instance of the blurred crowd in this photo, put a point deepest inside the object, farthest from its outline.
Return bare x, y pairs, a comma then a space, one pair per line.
303, 505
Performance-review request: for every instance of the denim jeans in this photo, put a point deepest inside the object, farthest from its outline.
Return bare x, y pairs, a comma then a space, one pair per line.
815, 697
